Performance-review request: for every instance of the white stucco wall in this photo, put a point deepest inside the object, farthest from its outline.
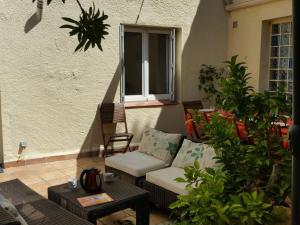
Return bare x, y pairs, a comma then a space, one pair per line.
50, 95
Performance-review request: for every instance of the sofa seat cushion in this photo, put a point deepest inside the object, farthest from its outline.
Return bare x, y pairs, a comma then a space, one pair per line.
135, 163
160, 145
165, 178
191, 151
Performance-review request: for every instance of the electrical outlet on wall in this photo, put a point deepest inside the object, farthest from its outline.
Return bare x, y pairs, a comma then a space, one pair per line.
23, 144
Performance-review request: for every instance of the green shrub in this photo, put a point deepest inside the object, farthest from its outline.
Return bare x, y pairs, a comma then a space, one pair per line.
256, 171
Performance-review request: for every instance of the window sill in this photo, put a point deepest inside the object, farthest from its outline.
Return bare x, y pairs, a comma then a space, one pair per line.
148, 104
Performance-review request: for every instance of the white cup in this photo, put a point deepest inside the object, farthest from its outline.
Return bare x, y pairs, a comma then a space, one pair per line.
72, 182
108, 177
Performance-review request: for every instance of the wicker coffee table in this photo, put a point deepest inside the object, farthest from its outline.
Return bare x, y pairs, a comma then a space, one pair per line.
125, 195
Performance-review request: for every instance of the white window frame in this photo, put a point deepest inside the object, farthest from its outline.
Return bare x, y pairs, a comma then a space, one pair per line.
278, 69
146, 96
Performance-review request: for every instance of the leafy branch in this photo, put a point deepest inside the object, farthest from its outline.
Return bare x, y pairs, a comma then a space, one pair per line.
90, 28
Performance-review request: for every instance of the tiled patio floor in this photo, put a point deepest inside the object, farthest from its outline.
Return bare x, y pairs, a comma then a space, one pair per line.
40, 176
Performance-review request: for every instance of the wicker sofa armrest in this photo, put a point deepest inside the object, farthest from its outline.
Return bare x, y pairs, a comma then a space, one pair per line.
6, 218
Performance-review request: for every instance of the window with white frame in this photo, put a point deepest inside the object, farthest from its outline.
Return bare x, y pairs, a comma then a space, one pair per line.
147, 63
281, 57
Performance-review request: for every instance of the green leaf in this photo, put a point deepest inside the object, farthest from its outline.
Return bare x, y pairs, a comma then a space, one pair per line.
180, 180
70, 20
67, 26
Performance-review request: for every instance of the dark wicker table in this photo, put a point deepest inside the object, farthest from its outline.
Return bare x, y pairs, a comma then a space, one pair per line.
125, 195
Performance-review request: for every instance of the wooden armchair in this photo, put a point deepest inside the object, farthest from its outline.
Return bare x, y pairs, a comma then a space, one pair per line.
114, 113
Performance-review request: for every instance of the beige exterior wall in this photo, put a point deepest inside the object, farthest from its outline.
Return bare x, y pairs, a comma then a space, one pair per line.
49, 95
250, 40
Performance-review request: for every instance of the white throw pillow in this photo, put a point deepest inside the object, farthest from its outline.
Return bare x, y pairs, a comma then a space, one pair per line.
191, 151
159, 144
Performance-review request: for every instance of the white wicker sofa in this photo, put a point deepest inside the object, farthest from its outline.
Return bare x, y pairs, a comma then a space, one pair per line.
156, 151
161, 183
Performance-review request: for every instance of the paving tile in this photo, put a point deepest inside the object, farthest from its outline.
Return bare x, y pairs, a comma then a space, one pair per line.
15, 169
130, 212
31, 180
26, 173
57, 181
6, 177
41, 188
64, 164
72, 173
111, 219
40, 176
157, 217
50, 175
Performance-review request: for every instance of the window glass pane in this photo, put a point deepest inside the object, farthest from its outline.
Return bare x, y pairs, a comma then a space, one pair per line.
275, 40
290, 87
133, 63
284, 51
274, 52
273, 75
285, 28
158, 63
275, 29
291, 51
290, 75
284, 63
285, 39
272, 86
282, 85
291, 63
274, 63
282, 75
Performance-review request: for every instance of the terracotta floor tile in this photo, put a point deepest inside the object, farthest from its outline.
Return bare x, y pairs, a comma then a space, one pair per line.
50, 175
15, 169
130, 212
58, 181
39, 167
31, 180
41, 188
6, 177
40, 176
72, 173
157, 217
114, 217
64, 164
26, 173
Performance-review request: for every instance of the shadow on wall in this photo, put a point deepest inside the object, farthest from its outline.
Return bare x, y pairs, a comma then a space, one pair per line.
94, 137
206, 44
171, 119
1, 137
35, 19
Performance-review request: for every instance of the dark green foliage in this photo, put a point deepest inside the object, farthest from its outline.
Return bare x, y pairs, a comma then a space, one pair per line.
208, 203
208, 80
235, 90
90, 28
256, 171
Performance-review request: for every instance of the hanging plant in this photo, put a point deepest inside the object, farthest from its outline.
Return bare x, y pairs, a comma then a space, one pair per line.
90, 28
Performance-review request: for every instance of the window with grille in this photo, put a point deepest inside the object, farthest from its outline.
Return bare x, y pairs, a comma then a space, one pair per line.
281, 58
